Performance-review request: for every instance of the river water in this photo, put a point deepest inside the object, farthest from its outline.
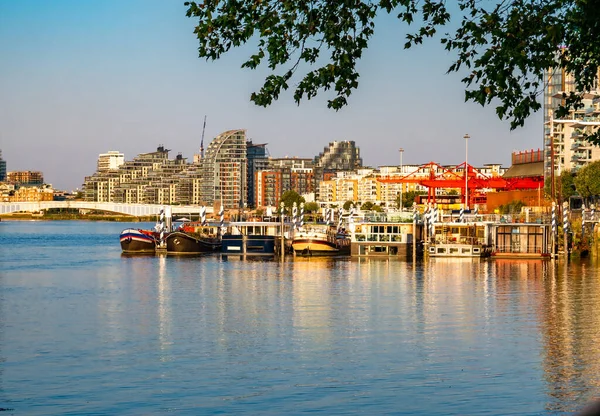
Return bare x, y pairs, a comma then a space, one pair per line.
86, 330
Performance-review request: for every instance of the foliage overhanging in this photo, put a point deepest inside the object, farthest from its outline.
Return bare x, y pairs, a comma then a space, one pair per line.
503, 48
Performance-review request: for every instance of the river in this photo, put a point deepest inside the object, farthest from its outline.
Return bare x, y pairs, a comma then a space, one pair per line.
86, 330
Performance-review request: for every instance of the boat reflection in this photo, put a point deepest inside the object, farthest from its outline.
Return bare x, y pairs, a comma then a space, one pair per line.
564, 300
469, 309
570, 328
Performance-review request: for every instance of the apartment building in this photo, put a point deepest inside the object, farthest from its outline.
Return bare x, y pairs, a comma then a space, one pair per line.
268, 187
224, 170
25, 178
110, 160
257, 161
337, 156
2, 168
565, 147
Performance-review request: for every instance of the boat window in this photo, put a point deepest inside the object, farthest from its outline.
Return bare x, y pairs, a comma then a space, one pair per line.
441, 250
466, 250
453, 250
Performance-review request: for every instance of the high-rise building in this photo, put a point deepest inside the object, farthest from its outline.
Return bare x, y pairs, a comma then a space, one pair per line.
565, 147
337, 157
257, 161
268, 188
110, 160
223, 171
2, 168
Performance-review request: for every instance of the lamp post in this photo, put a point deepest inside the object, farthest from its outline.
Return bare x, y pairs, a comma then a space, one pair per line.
467, 137
401, 183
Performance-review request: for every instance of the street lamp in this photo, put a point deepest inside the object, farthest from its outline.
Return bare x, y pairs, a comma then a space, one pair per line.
467, 137
401, 183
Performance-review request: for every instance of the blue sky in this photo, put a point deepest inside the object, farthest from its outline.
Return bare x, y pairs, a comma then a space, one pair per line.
79, 78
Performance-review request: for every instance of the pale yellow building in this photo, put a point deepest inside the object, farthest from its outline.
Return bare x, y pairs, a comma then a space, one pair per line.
32, 194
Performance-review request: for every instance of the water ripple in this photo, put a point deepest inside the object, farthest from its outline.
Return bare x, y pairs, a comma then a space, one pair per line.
84, 330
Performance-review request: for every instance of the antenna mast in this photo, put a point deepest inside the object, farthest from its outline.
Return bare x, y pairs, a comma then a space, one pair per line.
202, 141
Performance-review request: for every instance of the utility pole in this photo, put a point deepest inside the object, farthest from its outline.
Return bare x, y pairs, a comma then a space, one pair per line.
401, 183
467, 137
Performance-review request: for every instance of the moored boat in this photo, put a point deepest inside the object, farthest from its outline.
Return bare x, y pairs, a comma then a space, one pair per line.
460, 239
320, 240
252, 238
194, 238
138, 241
387, 235
522, 240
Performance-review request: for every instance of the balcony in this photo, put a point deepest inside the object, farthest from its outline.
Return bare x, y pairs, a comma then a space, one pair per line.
580, 156
577, 144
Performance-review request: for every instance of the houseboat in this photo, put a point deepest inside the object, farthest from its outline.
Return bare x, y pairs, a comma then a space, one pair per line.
194, 238
252, 238
380, 238
134, 241
321, 240
521, 240
138, 241
460, 239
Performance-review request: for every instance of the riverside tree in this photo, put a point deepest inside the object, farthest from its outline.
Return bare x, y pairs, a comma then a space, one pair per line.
587, 181
289, 197
502, 47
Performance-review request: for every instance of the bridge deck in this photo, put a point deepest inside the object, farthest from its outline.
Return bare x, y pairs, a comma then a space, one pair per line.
136, 210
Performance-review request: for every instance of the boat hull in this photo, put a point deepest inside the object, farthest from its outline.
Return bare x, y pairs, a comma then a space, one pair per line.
248, 244
317, 247
137, 241
459, 250
185, 243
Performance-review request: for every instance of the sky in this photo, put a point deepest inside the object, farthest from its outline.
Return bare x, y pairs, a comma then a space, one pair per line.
80, 78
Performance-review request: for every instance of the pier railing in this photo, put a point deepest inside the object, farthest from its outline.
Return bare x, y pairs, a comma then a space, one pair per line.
531, 218
459, 240
519, 249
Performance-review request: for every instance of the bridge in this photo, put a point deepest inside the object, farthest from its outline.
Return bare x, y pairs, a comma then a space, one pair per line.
136, 210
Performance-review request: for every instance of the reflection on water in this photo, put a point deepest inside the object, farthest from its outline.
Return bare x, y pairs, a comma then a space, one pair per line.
570, 329
164, 307
4, 403
86, 330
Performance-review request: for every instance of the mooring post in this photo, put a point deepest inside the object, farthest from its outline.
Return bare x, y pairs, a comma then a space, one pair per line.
566, 228
281, 216
554, 234
414, 233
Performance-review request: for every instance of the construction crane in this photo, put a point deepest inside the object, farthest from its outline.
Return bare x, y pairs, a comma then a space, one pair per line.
434, 176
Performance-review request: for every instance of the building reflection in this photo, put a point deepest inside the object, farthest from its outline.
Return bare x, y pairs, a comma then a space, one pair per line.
251, 300
570, 328
565, 298
438, 308
327, 306
2, 342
